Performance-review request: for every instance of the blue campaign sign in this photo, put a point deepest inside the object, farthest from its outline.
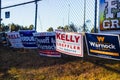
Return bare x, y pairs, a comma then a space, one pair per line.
103, 45
27, 38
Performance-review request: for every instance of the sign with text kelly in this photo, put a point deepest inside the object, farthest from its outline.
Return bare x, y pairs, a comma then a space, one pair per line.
109, 16
103, 45
27, 38
46, 44
15, 39
69, 43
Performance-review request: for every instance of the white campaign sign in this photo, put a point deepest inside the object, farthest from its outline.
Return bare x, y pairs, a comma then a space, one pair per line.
15, 40
69, 43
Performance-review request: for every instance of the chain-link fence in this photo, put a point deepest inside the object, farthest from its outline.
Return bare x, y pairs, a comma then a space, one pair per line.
55, 13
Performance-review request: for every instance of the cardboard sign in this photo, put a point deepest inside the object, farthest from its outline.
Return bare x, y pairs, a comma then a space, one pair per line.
109, 16
103, 45
27, 38
46, 44
15, 40
69, 43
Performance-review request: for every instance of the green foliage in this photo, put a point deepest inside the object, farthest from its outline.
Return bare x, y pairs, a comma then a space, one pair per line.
14, 27
50, 29
31, 27
4, 28
73, 27
93, 31
68, 28
60, 27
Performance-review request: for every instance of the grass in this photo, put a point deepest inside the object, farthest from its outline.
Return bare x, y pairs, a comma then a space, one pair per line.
15, 65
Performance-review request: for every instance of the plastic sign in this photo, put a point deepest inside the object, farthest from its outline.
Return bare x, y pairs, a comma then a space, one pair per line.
46, 44
109, 16
27, 38
69, 43
103, 45
15, 40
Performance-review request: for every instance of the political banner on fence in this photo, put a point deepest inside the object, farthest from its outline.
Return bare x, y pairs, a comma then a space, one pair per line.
69, 43
46, 44
27, 38
103, 45
15, 40
109, 16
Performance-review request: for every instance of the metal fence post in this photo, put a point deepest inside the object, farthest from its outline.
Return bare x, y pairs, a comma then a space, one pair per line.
95, 20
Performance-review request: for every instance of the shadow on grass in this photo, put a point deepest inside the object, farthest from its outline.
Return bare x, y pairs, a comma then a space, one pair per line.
32, 60
105, 63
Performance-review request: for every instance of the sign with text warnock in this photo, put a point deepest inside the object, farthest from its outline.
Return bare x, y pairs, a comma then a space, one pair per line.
46, 44
109, 16
27, 38
103, 45
15, 40
69, 43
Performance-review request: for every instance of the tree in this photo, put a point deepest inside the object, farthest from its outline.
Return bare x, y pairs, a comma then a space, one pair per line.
4, 28
73, 27
92, 30
50, 29
1, 27
31, 27
25, 28
67, 28
12, 27
21, 28
17, 27
60, 27
84, 28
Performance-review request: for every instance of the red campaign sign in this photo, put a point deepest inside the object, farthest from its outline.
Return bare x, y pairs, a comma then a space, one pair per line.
49, 53
69, 43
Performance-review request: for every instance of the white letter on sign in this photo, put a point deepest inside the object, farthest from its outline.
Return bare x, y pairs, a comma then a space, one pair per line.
110, 6
106, 24
114, 23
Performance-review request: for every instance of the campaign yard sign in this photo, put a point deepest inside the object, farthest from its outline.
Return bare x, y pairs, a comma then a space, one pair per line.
27, 38
69, 43
46, 44
109, 16
15, 40
103, 45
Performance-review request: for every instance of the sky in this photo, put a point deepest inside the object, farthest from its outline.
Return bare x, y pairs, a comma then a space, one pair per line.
51, 13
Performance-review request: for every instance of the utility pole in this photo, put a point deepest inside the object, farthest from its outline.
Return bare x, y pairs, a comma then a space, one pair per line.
84, 25
36, 10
